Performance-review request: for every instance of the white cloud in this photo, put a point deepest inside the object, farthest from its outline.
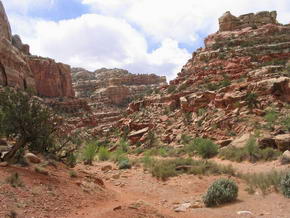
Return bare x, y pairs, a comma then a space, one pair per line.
94, 41
120, 33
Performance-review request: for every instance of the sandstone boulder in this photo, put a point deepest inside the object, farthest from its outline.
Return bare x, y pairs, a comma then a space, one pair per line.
283, 142
32, 158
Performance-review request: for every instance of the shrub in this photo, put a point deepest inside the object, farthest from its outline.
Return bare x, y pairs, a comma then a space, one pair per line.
26, 119
285, 185
103, 154
71, 160
124, 164
286, 123
14, 180
251, 99
89, 152
205, 147
271, 118
250, 152
220, 192
73, 174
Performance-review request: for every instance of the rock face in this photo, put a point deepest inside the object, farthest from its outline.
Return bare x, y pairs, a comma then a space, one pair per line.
4, 24
228, 22
52, 79
115, 86
21, 70
225, 90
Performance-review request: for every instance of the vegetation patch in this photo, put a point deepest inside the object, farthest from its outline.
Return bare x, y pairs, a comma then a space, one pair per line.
220, 192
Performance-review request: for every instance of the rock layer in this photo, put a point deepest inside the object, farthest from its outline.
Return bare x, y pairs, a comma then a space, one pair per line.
21, 70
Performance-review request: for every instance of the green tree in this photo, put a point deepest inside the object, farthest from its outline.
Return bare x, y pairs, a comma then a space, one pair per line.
24, 118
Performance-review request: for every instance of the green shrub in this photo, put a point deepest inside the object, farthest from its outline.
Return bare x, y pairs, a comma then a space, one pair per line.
220, 192
89, 152
26, 119
271, 118
286, 123
205, 147
251, 99
71, 160
285, 185
250, 152
103, 154
73, 174
124, 163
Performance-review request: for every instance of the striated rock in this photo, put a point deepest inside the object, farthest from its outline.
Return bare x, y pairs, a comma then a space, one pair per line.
228, 22
52, 79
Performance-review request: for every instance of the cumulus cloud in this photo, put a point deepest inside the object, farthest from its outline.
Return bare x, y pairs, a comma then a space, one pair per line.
143, 36
93, 41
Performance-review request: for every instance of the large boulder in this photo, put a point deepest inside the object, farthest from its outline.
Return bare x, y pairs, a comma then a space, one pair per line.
283, 142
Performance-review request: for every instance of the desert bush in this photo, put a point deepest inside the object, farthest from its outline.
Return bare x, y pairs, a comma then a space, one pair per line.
89, 152
286, 123
124, 163
205, 147
250, 152
71, 160
14, 180
220, 192
26, 119
103, 154
251, 99
285, 185
271, 118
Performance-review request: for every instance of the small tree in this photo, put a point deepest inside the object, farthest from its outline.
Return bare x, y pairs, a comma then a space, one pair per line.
25, 119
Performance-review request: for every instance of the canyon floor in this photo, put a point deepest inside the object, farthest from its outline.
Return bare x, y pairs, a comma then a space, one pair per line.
129, 193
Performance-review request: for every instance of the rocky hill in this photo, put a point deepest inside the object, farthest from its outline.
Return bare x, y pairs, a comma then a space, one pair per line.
21, 70
228, 89
113, 86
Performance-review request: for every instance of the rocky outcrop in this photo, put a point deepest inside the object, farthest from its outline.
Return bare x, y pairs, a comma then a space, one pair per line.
17, 42
114, 86
52, 79
229, 22
4, 24
228, 88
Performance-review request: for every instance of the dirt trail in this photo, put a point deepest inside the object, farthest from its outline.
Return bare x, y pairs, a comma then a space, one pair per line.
137, 185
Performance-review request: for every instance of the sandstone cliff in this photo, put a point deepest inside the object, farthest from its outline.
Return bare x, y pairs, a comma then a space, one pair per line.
21, 70
226, 88
114, 86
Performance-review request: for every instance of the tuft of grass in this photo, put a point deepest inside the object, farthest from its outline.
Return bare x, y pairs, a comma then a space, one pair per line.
285, 185
103, 154
73, 174
250, 152
14, 180
163, 169
264, 181
89, 152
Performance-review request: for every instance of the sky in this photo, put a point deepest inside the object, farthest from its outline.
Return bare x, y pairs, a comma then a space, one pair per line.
142, 36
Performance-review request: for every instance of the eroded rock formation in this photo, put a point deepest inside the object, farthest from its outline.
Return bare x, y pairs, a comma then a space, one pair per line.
115, 86
227, 88
21, 70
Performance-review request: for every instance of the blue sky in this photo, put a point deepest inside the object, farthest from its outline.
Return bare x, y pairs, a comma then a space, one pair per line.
143, 36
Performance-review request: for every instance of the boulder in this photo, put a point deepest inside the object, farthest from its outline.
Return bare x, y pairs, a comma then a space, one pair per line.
285, 159
283, 142
32, 158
